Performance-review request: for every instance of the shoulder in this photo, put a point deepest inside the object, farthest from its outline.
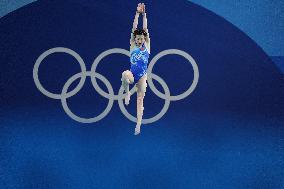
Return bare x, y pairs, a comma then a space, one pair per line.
132, 48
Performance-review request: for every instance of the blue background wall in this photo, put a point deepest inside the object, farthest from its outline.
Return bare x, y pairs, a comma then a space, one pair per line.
260, 20
227, 134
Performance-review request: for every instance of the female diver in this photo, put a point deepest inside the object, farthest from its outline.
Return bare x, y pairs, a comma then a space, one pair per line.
139, 54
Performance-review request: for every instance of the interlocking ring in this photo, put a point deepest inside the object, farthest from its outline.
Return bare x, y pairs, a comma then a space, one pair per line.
195, 75
110, 95
60, 50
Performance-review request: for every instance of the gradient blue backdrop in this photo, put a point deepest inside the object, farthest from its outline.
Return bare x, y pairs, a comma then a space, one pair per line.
260, 20
227, 134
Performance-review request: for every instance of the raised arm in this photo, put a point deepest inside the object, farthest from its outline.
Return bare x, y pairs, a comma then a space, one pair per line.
145, 22
145, 27
135, 22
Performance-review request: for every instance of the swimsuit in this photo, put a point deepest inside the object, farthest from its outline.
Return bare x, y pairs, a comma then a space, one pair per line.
139, 62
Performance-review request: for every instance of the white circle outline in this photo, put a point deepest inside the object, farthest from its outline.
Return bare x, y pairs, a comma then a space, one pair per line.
185, 55
156, 117
70, 113
94, 67
120, 96
62, 50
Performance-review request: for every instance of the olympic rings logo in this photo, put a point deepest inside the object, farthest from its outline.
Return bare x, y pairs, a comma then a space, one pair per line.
110, 95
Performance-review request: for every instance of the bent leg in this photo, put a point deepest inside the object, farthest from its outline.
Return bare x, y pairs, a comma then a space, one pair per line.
126, 79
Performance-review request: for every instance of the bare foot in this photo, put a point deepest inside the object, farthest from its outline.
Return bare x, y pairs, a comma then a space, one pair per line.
137, 130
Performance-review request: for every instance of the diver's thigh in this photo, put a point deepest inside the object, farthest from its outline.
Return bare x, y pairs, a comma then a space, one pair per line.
142, 84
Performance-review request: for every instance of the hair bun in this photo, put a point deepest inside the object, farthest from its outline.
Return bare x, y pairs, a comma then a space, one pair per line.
140, 32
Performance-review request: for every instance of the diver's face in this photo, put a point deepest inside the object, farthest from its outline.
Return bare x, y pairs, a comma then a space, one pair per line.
139, 40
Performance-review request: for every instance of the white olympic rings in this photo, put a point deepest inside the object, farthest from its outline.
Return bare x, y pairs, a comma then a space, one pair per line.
110, 95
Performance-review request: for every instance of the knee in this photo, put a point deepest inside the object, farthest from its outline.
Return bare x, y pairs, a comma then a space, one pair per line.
127, 75
124, 75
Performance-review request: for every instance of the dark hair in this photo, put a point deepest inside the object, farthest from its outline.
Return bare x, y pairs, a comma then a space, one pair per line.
140, 32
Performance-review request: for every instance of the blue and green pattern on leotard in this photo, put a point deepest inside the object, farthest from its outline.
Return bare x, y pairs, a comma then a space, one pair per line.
139, 62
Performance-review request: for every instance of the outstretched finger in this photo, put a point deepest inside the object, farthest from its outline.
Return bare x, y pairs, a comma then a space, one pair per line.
138, 7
